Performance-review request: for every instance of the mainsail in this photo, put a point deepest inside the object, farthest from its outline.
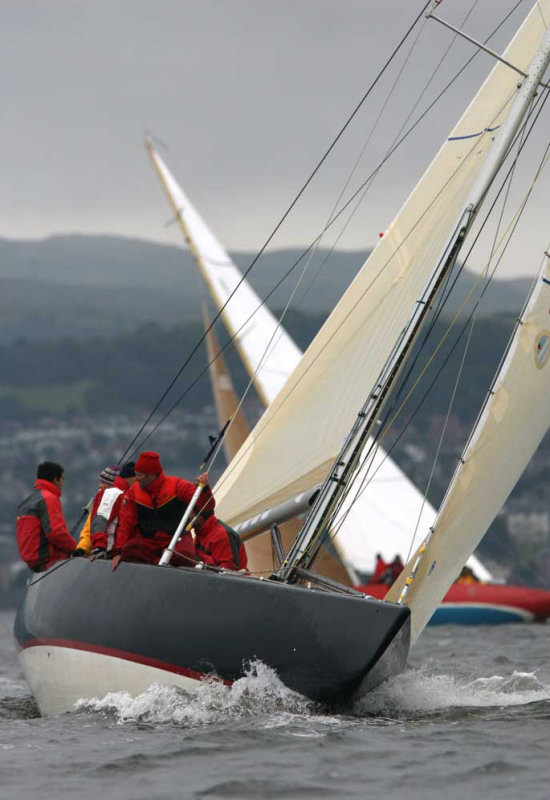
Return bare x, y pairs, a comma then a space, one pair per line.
259, 549
499, 449
301, 433
373, 521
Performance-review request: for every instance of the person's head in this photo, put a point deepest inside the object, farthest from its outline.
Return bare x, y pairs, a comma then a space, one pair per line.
108, 475
50, 471
147, 468
128, 472
198, 522
379, 556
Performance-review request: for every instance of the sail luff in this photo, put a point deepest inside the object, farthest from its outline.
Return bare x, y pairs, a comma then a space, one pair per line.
499, 449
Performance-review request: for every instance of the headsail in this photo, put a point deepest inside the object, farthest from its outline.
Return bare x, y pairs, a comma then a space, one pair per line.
300, 435
374, 522
259, 549
500, 448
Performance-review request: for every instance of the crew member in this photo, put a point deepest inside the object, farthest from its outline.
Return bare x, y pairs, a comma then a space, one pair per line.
468, 576
104, 522
42, 534
152, 509
107, 478
219, 545
379, 569
396, 568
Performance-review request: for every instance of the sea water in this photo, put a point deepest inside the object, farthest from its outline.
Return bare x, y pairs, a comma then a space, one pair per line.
469, 718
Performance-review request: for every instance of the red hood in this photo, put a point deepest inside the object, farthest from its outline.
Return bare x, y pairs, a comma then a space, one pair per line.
206, 526
41, 483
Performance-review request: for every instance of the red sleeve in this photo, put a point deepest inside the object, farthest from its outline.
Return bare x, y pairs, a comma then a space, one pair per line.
127, 521
58, 533
185, 491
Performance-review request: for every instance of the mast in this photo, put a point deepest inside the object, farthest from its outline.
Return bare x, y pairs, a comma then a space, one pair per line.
307, 544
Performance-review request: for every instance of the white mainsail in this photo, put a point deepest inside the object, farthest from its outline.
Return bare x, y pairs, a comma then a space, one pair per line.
301, 433
500, 448
374, 522
266, 356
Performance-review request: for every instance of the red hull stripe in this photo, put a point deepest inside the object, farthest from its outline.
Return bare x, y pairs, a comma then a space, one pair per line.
114, 653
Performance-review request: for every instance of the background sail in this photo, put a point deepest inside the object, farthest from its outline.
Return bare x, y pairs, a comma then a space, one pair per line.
498, 452
373, 521
299, 436
267, 355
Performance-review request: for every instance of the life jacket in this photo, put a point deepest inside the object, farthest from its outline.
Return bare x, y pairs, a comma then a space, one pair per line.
159, 510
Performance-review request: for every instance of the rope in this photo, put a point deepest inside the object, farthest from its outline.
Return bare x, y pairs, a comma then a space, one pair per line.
508, 232
279, 224
372, 175
374, 448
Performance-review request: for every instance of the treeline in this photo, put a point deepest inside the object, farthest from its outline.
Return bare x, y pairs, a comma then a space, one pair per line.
111, 374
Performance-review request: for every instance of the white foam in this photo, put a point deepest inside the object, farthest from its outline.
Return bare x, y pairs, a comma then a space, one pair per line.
417, 691
259, 692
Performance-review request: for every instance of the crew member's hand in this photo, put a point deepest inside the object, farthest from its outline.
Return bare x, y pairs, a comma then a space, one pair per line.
203, 479
115, 562
98, 552
77, 553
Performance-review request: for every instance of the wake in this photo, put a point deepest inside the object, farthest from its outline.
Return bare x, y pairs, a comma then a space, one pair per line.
415, 693
418, 692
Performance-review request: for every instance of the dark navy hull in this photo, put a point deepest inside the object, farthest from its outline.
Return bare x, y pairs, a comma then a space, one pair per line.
194, 622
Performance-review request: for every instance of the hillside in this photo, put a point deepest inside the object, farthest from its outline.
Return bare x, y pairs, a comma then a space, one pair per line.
88, 286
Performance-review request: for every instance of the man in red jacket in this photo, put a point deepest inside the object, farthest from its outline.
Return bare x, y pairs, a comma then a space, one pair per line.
42, 534
151, 511
219, 545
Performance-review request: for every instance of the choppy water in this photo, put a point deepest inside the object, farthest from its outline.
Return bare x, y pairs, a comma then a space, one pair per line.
471, 718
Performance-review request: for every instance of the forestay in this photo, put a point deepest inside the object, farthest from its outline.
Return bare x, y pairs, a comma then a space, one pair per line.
499, 450
300, 435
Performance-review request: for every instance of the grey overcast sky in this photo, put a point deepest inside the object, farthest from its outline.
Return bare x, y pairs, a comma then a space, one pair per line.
247, 95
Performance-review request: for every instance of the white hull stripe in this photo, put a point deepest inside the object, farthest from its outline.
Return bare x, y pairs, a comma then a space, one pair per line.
60, 676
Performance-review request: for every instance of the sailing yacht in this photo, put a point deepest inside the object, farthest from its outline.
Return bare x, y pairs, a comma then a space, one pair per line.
372, 522
176, 625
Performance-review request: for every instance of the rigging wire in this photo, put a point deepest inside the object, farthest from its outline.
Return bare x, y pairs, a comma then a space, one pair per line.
358, 297
293, 266
460, 166
508, 233
471, 323
366, 479
370, 181
284, 217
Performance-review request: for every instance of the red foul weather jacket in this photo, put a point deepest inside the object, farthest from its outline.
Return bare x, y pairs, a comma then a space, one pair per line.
220, 546
42, 534
154, 513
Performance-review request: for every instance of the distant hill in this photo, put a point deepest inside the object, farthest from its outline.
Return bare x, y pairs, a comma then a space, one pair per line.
87, 286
